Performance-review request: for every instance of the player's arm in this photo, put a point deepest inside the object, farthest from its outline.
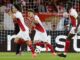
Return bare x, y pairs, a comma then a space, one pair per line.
78, 19
35, 21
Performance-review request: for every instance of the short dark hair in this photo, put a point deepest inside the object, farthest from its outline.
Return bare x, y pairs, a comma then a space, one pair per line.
31, 10
18, 7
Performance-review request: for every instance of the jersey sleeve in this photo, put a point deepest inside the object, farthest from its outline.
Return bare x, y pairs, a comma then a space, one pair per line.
18, 15
74, 13
37, 19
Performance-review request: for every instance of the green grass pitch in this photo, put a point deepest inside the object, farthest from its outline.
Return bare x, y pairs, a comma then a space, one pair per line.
41, 56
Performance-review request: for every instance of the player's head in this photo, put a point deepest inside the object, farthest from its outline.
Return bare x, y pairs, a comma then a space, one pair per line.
15, 8
30, 12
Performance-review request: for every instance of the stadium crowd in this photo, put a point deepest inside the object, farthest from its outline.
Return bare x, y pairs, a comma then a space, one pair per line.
43, 6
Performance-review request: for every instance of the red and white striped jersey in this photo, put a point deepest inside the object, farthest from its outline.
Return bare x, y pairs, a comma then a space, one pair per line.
39, 25
73, 16
20, 21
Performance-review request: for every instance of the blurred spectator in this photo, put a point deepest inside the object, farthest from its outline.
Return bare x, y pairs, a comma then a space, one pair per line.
0, 2
22, 2
47, 26
2, 9
35, 5
42, 7
38, 1
60, 8
5, 18
32, 4
5, 6
63, 25
51, 6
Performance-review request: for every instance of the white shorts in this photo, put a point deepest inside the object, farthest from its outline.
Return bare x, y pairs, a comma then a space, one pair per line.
39, 36
23, 35
72, 31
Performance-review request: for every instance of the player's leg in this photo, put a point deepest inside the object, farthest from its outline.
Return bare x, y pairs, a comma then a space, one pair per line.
28, 41
39, 43
37, 39
43, 37
51, 48
47, 44
18, 42
18, 45
67, 44
18, 49
31, 48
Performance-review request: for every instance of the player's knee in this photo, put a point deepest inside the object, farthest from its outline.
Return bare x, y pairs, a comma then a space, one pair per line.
16, 40
70, 36
29, 42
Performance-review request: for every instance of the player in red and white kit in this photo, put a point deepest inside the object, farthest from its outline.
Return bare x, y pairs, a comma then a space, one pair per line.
41, 34
72, 13
24, 30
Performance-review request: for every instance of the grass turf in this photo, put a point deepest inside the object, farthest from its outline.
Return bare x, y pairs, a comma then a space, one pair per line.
41, 56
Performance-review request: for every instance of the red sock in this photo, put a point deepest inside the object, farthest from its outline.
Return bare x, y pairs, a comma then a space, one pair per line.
39, 44
21, 41
46, 48
32, 49
50, 47
67, 45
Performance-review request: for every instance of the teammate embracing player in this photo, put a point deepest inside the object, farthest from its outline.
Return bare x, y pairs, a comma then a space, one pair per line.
72, 13
24, 30
40, 35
